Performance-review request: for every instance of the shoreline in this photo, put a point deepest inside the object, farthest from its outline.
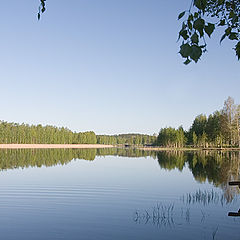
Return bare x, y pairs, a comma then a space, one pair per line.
89, 146
187, 149
52, 146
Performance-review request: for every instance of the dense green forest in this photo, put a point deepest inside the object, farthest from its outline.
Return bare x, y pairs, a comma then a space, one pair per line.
24, 133
129, 139
38, 134
220, 129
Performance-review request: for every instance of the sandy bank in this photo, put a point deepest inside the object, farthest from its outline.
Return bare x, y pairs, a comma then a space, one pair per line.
16, 146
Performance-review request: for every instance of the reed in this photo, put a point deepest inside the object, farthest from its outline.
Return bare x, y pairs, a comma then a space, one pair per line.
159, 215
205, 198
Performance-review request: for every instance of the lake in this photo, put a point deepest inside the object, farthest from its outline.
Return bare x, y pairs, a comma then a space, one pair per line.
118, 194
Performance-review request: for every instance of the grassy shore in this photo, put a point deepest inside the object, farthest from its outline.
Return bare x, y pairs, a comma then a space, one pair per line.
21, 146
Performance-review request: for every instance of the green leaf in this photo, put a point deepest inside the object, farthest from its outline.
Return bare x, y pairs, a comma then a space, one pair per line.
220, 2
209, 29
200, 4
222, 22
237, 49
196, 53
181, 15
190, 17
187, 61
203, 46
185, 50
184, 34
231, 14
196, 15
235, 19
190, 26
223, 36
233, 36
199, 25
228, 31
195, 38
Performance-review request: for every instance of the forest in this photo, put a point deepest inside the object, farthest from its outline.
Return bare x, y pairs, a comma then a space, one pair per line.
38, 134
129, 139
220, 129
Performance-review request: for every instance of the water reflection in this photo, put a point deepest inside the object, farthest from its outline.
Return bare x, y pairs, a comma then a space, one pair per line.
169, 216
160, 215
205, 198
119, 195
215, 167
24, 158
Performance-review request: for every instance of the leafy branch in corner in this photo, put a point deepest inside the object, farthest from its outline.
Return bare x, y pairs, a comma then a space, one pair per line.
42, 8
202, 18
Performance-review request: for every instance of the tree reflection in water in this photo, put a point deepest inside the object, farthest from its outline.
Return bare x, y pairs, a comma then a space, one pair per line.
216, 167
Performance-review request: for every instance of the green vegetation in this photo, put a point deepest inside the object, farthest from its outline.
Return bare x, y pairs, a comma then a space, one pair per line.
203, 18
128, 139
26, 134
41, 8
220, 129
171, 137
31, 134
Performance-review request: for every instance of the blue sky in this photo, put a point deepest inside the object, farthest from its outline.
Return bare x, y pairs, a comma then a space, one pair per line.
110, 66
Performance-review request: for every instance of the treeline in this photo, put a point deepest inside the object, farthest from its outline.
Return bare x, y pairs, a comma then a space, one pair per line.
171, 137
38, 134
220, 129
129, 139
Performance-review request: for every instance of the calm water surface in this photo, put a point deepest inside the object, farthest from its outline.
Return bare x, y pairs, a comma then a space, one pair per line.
118, 194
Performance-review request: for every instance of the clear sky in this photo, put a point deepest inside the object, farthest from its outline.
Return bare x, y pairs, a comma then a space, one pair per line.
110, 66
